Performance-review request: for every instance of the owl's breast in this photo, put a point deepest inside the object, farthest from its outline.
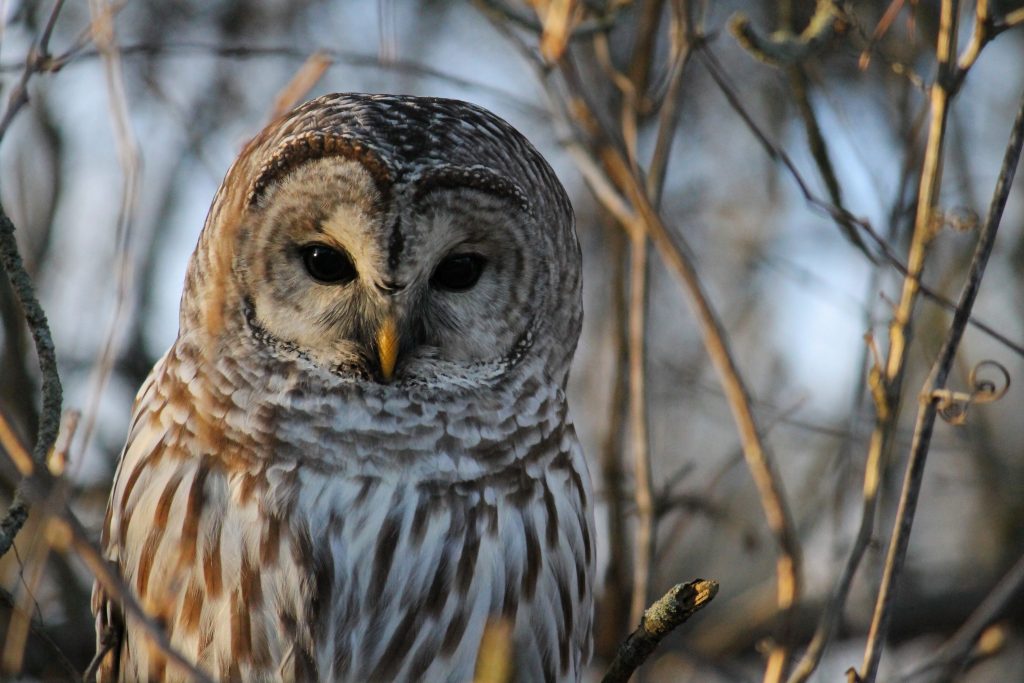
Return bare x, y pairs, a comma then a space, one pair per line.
349, 547
421, 566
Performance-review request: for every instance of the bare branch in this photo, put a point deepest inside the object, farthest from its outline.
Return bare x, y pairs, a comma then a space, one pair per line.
783, 48
842, 217
37, 629
65, 531
954, 653
643, 481
103, 14
930, 402
49, 422
680, 603
302, 81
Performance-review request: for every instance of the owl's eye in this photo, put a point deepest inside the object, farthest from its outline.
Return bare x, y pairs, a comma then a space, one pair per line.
458, 272
328, 265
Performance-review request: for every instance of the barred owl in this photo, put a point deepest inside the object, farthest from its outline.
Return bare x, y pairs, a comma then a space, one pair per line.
357, 453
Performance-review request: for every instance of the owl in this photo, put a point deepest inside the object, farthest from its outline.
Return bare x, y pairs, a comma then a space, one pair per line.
357, 454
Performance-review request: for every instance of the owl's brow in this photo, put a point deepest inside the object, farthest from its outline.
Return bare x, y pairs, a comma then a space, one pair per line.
318, 145
472, 177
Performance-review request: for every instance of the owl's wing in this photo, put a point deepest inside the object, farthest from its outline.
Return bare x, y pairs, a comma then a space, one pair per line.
108, 614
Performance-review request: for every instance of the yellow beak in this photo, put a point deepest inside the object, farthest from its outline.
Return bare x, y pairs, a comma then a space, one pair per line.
387, 346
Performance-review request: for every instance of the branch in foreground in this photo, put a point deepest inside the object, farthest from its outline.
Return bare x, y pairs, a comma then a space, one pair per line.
65, 532
674, 608
49, 422
35, 317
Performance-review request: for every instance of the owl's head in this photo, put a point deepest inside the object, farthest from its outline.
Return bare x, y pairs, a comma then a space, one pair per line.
391, 239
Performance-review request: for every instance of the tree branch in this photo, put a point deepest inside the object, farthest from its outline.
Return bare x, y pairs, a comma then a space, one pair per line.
931, 400
680, 603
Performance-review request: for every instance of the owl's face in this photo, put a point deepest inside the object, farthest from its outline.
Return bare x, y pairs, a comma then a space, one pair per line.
431, 281
391, 239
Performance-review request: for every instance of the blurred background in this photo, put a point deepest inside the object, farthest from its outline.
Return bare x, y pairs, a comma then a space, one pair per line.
109, 170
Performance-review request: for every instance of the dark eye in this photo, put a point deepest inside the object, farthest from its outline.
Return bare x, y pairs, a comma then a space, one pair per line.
458, 272
328, 265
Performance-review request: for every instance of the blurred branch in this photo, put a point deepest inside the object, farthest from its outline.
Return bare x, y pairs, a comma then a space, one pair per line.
247, 52
643, 479
682, 40
759, 462
931, 398
35, 317
302, 81
886, 382
838, 214
632, 87
494, 658
64, 531
835, 604
38, 60
103, 13
680, 603
791, 52
986, 27
39, 631
639, 69
784, 48
955, 652
762, 468
499, 10
614, 180
614, 612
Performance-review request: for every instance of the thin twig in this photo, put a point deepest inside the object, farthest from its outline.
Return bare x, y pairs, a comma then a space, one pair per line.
184, 49
36, 61
668, 115
35, 317
615, 614
955, 652
302, 81
784, 48
680, 603
39, 631
931, 399
886, 382
498, 11
837, 214
633, 88
836, 602
621, 178
103, 13
643, 479
759, 462
65, 531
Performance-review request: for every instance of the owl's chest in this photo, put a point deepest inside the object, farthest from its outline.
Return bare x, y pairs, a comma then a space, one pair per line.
297, 571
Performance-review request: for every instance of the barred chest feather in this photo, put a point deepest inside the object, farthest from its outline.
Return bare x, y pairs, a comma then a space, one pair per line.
283, 529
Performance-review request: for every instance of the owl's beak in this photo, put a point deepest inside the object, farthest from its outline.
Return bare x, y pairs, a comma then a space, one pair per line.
387, 347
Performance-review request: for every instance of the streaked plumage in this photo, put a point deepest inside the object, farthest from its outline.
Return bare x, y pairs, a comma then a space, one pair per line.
289, 509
